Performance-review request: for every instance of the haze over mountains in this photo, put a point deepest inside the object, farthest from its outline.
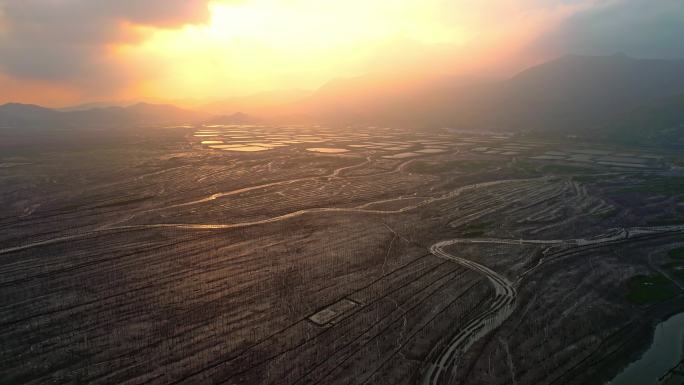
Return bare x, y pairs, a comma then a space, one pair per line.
567, 94
573, 94
36, 117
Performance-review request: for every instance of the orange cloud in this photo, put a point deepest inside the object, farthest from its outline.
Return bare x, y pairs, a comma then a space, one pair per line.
218, 48
67, 42
261, 45
37, 92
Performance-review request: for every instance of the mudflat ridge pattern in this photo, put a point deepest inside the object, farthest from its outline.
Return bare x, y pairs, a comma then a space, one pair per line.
305, 255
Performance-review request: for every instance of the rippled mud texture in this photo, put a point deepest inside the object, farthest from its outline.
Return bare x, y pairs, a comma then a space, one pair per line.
398, 258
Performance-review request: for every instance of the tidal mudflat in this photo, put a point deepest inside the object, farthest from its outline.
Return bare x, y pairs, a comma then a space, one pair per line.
257, 254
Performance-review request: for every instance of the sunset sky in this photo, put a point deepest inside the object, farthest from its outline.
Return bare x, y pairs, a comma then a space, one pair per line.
61, 52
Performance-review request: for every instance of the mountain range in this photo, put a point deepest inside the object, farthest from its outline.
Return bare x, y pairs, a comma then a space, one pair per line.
587, 95
568, 94
25, 116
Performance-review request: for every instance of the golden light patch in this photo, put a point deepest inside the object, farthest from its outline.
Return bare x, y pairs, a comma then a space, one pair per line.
260, 45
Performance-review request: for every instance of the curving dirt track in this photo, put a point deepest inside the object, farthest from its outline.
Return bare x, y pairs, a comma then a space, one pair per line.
497, 312
443, 361
444, 358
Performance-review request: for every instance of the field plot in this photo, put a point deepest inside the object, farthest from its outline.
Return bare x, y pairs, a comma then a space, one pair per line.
236, 254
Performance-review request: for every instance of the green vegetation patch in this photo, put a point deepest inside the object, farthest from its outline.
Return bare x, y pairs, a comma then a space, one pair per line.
676, 269
677, 253
666, 221
473, 234
608, 214
474, 230
644, 289
670, 186
676, 266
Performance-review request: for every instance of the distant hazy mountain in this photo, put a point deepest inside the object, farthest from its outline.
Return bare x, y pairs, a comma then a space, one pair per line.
24, 116
137, 114
567, 94
587, 95
257, 104
580, 91
659, 123
390, 99
91, 106
236, 118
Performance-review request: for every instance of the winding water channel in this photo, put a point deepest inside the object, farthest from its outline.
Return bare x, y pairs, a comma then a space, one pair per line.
668, 342
664, 353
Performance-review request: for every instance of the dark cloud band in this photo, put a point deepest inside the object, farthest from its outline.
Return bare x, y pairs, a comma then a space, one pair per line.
640, 28
66, 39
